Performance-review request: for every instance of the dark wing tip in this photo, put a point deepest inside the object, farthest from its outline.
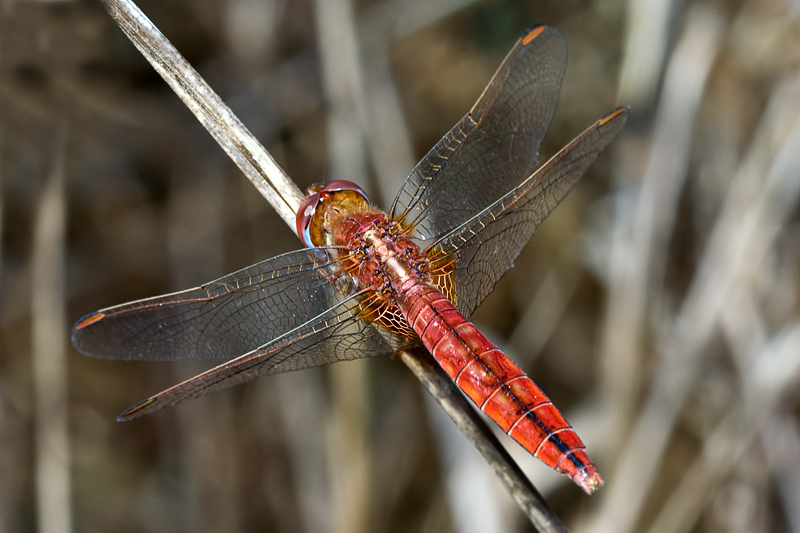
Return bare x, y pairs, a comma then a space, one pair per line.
89, 319
136, 411
539, 31
532, 33
622, 112
78, 336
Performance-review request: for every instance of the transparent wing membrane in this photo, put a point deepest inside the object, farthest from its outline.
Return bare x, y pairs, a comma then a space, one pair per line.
485, 247
222, 319
494, 146
339, 334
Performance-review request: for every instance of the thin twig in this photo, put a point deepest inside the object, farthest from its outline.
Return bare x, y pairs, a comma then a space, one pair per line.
270, 180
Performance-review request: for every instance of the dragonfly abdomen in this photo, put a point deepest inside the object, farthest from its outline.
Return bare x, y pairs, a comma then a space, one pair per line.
496, 385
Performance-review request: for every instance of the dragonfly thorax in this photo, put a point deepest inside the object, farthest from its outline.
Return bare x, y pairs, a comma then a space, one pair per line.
382, 255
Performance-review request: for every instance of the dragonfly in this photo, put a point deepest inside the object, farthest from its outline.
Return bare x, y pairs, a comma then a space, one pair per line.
372, 282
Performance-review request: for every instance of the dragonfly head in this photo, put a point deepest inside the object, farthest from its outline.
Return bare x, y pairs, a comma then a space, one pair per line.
323, 205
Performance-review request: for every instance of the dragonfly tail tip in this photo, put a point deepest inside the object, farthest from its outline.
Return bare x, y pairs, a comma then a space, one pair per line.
589, 481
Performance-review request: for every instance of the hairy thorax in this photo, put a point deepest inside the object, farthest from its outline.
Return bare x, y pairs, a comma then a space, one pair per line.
384, 266
383, 258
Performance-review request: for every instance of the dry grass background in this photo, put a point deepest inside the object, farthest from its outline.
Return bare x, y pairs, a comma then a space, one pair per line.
658, 306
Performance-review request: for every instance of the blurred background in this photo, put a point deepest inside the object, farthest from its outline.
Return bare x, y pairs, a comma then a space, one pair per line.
658, 306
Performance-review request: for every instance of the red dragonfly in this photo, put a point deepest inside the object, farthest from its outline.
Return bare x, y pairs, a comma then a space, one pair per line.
373, 283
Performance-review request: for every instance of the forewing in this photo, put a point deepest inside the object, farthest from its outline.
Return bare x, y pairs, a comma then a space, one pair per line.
339, 334
484, 248
224, 319
494, 146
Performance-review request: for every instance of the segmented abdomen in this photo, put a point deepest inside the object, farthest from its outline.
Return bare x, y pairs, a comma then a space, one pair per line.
496, 385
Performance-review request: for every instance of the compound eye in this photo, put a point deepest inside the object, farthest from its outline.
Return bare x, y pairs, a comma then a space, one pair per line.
344, 185
304, 216
319, 195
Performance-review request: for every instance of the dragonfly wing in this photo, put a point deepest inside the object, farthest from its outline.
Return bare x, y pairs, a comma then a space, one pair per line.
485, 247
494, 146
338, 334
223, 319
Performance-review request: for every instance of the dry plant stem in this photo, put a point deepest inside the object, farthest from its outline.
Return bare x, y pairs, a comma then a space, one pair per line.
409, 16
213, 504
754, 211
782, 450
545, 310
646, 40
469, 422
639, 252
774, 373
53, 485
270, 180
634, 280
237, 141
